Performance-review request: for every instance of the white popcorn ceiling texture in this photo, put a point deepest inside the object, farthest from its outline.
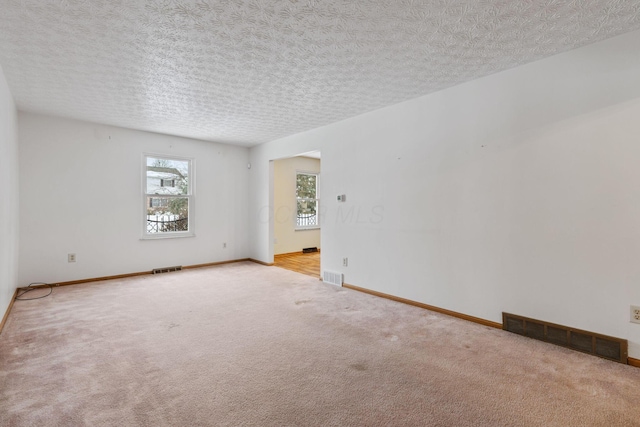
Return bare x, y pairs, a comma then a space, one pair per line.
250, 71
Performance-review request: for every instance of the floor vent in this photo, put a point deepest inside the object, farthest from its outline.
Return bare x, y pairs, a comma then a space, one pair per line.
587, 342
332, 278
166, 269
309, 250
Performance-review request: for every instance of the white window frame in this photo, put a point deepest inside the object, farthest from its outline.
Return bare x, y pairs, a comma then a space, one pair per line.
190, 196
317, 199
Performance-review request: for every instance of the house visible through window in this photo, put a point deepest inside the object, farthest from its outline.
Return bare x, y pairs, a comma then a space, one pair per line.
168, 197
307, 215
157, 202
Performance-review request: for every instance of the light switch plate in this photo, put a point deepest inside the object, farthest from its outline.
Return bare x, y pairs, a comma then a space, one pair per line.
635, 314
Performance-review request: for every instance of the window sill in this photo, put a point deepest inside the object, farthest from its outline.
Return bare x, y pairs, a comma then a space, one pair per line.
160, 236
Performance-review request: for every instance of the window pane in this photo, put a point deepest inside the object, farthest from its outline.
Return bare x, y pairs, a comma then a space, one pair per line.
307, 213
166, 176
306, 186
166, 215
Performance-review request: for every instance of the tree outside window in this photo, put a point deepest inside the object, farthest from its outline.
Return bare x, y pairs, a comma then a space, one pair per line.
307, 215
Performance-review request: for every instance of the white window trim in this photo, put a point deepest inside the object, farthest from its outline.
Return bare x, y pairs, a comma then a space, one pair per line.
190, 196
295, 197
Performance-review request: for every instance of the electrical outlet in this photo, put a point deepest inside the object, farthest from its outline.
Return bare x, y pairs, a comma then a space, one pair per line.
635, 314
71, 257
345, 262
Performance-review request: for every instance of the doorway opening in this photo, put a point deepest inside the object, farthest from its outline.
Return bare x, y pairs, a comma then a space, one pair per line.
296, 213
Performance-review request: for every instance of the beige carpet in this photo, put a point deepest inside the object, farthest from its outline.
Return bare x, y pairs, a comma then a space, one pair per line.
248, 345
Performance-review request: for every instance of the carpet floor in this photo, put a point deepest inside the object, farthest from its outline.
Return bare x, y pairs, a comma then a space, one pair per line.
248, 345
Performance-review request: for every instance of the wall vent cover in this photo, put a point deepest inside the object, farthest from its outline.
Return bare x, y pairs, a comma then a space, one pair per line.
587, 342
166, 269
332, 278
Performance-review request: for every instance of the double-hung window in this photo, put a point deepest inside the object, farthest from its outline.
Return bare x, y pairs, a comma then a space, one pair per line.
168, 197
308, 212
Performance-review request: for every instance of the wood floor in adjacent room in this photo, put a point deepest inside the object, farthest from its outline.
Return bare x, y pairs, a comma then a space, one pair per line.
299, 262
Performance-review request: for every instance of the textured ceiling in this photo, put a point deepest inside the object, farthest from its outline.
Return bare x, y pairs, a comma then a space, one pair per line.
250, 71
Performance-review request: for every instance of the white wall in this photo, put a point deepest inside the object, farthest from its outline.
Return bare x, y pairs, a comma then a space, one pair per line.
517, 192
286, 238
80, 187
9, 205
